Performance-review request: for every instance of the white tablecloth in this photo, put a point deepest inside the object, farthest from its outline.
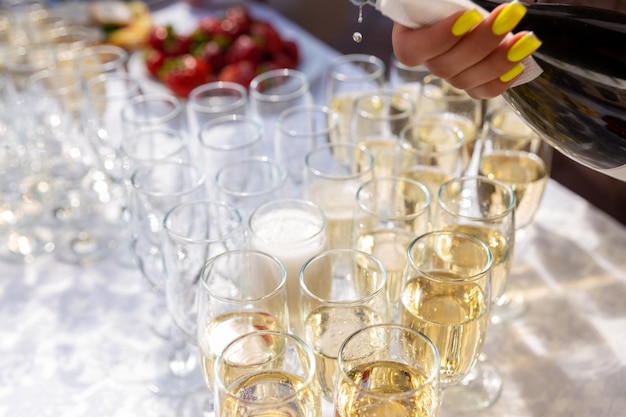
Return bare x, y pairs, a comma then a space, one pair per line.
73, 338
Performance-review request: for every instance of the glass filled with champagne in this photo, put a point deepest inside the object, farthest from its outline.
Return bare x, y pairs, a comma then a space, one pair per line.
446, 295
430, 152
390, 212
266, 373
333, 174
241, 291
347, 77
388, 370
442, 102
341, 291
377, 120
483, 208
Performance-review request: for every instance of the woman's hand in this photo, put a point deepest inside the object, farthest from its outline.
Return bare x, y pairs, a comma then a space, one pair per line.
468, 51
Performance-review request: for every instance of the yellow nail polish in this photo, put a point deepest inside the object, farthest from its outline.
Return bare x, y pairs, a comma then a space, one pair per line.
508, 18
524, 46
512, 73
466, 22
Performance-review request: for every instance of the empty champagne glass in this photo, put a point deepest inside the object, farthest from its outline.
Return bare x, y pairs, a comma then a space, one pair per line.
241, 291
157, 187
228, 139
277, 366
298, 130
251, 182
387, 370
482, 208
293, 231
341, 291
275, 91
347, 77
333, 174
152, 110
377, 121
195, 232
446, 296
214, 100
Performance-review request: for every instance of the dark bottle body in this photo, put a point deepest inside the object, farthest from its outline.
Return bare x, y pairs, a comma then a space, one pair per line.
578, 103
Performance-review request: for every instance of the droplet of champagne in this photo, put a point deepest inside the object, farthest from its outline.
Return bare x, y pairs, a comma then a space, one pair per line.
357, 36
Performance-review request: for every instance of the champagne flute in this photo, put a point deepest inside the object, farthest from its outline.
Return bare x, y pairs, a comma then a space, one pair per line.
273, 92
195, 232
430, 152
390, 212
347, 77
157, 187
405, 78
387, 370
241, 291
446, 296
513, 153
377, 120
333, 174
278, 367
483, 208
442, 102
341, 291
298, 130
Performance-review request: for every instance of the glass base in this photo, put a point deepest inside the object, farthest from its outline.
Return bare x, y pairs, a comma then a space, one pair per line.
180, 374
480, 389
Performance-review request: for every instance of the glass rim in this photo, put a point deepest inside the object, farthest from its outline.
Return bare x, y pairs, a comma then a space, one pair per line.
506, 135
405, 144
199, 182
282, 282
176, 111
373, 60
168, 219
366, 153
483, 179
121, 55
303, 88
313, 109
343, 303
105, 78
55, 74
264, 160
432, 377
484, 270
227, 119
463, 96
414, 183
385, 93
198, 91
304, 348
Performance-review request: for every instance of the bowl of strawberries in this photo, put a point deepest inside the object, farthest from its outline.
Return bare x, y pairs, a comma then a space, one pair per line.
232, 46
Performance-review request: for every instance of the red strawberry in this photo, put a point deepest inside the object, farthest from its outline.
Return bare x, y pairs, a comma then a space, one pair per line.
184, 73
266, 35
241, 72
244, 48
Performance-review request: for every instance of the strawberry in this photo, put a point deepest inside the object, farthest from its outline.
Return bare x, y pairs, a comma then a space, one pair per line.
213, 54
241, 72
183, 73
154, 60
291, 49
266, 35
244, 48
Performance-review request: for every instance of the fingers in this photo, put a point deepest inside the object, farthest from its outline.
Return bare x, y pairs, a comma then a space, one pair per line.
480, 42
431, 41
501, 66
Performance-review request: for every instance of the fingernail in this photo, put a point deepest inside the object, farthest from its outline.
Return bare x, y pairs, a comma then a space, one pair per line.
466, 22
512, 73
508, 18
524, 46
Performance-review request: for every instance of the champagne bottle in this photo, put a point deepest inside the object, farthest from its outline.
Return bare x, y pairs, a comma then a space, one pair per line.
578, 103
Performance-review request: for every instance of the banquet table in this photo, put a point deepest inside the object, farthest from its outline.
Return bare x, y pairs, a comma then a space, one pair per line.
73, 337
